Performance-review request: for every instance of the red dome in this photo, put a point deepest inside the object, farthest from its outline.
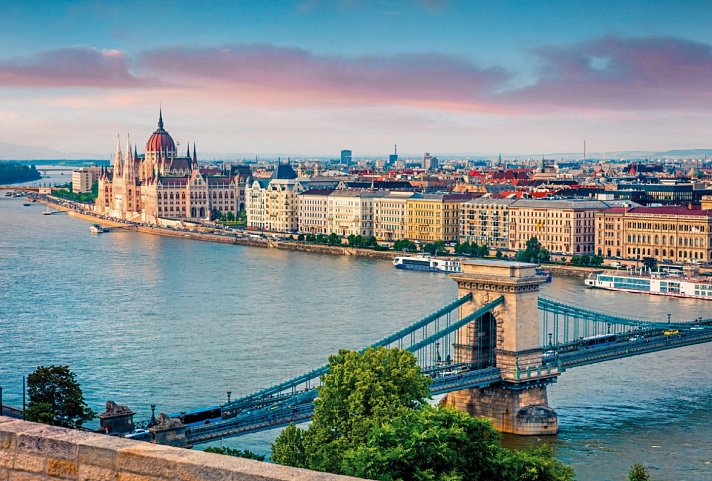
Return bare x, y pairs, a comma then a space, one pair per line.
160, 141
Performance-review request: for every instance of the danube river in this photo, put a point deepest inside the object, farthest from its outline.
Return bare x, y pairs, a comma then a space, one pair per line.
145, 319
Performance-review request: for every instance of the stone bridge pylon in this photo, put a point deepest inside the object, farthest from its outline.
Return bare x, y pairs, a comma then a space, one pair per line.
509, 339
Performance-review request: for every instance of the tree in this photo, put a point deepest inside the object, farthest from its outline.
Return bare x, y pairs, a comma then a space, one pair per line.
371, 420
434, 444
638, 472
360, 391
650, 263
435, 248
238, 453
534, 252
56, 397
288, 448
230, 217
405, 245
483, 250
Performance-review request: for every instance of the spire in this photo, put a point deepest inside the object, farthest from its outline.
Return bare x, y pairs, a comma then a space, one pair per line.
117, 154
188, 152
135, 153
195, 157
160, 117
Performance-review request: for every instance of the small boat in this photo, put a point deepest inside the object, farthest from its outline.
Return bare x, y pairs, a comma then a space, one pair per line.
427, 264
9, 194
97, 229
545, 273
47, 211
26, 204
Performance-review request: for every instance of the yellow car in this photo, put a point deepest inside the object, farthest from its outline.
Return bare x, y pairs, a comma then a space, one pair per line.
671, 332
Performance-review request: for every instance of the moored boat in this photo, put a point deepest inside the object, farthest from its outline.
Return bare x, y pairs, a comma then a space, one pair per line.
97, 229
656, 283
427, 264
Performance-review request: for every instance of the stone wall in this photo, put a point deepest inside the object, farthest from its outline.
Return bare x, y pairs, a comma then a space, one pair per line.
34, 452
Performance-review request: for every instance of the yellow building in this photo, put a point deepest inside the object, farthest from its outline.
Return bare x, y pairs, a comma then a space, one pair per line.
676, 234
434, 217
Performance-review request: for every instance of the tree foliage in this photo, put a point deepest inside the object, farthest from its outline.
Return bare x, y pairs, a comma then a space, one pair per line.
371, 420
534, 252
638, 472
472, 249
650, 263
238, 453
435, 248
587, 260
56, 397
405, 245
288, 448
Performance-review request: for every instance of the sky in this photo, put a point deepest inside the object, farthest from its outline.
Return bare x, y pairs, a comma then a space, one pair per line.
312, 77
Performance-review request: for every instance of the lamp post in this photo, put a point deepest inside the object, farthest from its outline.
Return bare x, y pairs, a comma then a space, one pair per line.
229, 393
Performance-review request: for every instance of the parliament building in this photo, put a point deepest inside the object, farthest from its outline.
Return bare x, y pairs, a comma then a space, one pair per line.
160, 185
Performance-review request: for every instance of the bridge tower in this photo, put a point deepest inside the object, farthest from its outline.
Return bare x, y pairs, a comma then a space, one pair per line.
508, 339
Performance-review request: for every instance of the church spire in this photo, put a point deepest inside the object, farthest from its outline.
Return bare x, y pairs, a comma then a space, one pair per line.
188, 152
195, 157
160, 117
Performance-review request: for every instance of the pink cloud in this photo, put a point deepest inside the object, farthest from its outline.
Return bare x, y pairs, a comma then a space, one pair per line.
618, 73
70, 67
436, 81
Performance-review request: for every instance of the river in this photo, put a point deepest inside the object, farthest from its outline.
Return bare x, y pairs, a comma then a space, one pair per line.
145, 319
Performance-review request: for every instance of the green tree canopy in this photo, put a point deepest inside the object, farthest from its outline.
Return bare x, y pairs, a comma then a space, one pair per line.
238, 453
56, 397
371, 420
534, 252
638, 472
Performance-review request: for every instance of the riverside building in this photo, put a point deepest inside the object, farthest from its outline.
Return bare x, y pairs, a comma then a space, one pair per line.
485, 221
561, 226
667, 233
160, 185
434, 217
390, 216
350, 212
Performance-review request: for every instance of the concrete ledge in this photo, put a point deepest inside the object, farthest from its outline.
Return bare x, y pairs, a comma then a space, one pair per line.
36, 452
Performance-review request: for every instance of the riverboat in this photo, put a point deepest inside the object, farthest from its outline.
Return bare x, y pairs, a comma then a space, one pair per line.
656, 283
427, 264
97, 229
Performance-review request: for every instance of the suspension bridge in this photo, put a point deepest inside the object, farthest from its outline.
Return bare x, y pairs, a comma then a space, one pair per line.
493, 351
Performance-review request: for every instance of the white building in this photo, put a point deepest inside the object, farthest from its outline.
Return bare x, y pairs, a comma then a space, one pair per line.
84, 178
312, 211
390, 216
350, 212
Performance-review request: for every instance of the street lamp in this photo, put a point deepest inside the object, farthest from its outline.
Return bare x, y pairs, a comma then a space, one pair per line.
229, 393
550, 336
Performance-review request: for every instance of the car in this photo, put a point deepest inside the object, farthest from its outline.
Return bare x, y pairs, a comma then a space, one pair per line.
697, 328
671, 332
634, 338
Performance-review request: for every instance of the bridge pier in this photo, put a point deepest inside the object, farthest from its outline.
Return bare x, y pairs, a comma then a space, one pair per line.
508, 339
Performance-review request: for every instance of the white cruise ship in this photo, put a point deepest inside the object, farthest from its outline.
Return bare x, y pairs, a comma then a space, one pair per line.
657, 283
427, 264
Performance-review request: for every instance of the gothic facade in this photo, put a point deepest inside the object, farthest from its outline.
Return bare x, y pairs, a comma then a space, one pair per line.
160, 184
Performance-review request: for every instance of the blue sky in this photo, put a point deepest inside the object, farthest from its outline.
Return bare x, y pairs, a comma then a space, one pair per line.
310, 77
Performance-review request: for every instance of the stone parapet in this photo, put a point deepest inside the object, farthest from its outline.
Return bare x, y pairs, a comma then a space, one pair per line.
36, 452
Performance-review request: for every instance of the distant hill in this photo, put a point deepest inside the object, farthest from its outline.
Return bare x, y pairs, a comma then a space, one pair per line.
27, 152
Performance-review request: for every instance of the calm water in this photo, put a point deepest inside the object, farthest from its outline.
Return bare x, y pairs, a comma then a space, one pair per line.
144, 319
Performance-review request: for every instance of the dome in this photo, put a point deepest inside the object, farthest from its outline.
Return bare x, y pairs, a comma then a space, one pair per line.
160, 141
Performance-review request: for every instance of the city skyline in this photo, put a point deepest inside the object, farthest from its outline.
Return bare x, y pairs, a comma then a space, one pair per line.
311, 77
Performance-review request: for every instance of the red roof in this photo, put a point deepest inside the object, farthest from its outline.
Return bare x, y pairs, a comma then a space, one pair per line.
672, 210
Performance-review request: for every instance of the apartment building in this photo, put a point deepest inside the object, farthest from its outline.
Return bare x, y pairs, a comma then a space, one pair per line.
390, 216
312, 211
668, 233
434, 217
485, 221
561, 226
350, 212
